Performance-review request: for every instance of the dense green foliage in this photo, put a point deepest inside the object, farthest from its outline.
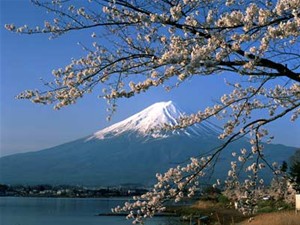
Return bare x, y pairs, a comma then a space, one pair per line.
295, 169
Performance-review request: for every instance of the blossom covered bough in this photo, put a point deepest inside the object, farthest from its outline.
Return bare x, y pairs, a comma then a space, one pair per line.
148, 43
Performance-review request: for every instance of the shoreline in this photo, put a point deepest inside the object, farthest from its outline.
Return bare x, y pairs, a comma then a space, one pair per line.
125, 214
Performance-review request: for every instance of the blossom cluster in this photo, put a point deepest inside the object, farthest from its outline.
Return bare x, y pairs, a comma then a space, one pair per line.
181, 41
176, 183
246, 193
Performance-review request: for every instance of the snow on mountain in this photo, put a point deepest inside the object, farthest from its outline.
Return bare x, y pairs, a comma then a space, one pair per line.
149, 121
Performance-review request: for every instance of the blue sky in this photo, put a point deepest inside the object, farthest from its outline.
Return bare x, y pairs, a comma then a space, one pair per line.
29, 127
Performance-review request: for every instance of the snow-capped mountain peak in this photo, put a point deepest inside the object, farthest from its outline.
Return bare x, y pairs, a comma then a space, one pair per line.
148, 121
145, 121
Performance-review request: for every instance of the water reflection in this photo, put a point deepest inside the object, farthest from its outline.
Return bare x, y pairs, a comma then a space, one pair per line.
64, 211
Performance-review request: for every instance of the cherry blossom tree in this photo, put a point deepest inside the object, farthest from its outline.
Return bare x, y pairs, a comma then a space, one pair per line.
141, 44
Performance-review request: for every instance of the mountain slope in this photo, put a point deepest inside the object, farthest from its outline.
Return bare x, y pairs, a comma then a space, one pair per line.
126, 152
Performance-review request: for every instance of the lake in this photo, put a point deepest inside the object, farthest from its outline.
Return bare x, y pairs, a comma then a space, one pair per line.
65, 211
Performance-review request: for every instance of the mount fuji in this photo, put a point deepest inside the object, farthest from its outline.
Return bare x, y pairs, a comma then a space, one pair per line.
129, 152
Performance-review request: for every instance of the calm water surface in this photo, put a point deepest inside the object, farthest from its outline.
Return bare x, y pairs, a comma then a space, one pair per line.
64, 211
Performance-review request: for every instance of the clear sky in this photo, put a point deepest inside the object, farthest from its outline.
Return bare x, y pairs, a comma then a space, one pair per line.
29, 127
